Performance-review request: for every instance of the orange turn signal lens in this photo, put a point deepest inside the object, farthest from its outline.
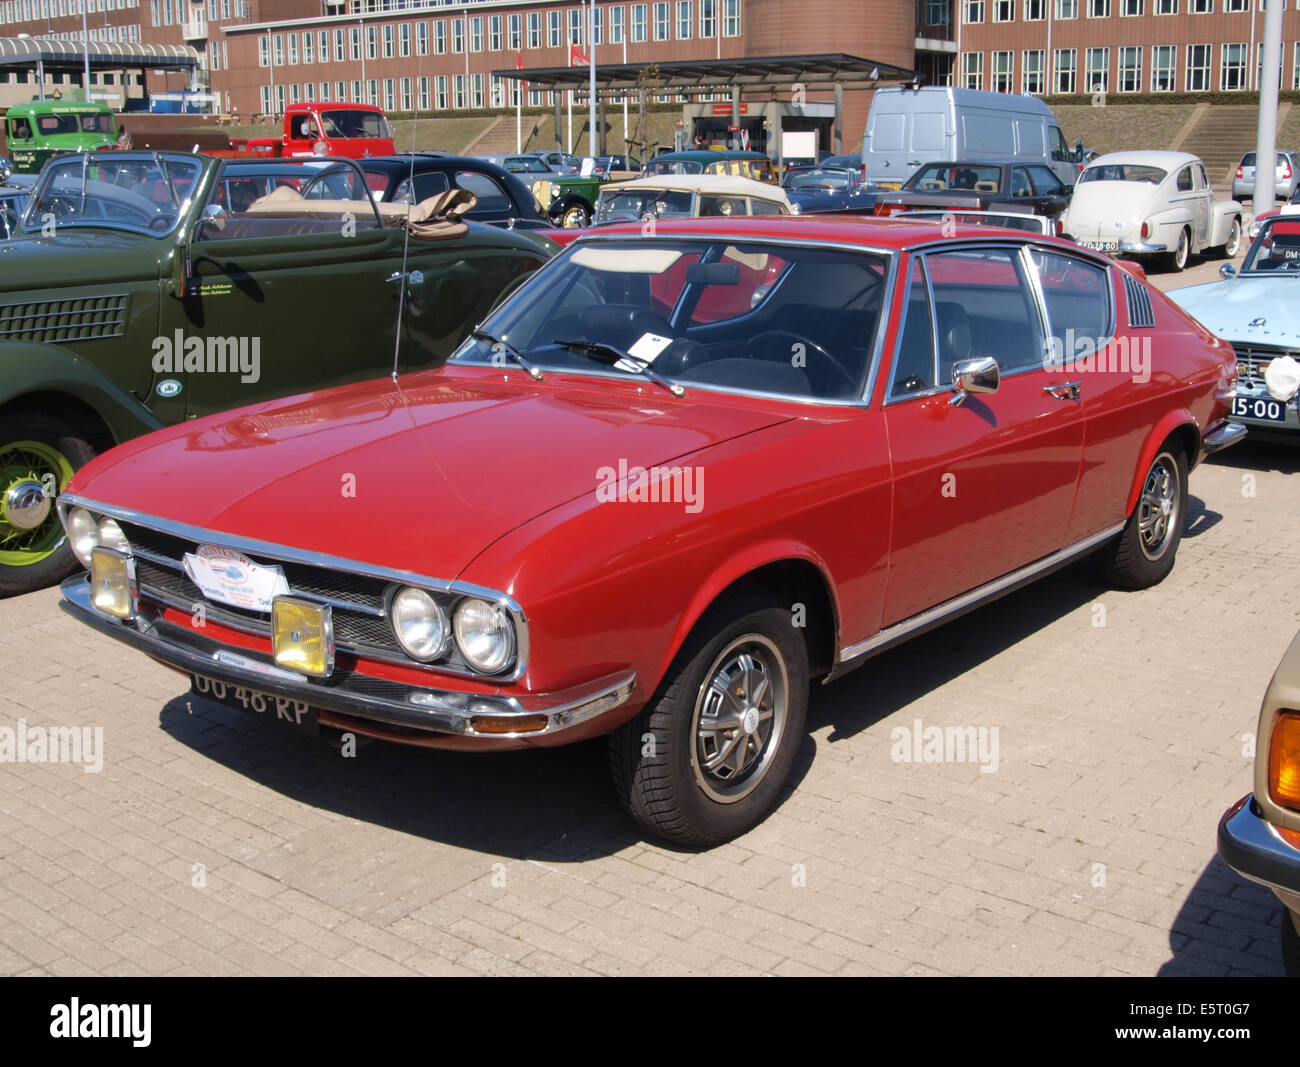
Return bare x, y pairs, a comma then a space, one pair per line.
1284, 761
507, 724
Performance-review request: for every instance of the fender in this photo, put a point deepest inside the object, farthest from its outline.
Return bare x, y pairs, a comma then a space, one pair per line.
1224, 212
1170, 422
731, 571
1172, 216
31, 368
564, 202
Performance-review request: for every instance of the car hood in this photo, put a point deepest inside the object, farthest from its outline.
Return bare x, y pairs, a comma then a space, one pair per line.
1261, 309
1108, 210
73, 257
421, 474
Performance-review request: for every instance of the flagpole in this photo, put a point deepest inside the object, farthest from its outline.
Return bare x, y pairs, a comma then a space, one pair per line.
591, 99
519, 104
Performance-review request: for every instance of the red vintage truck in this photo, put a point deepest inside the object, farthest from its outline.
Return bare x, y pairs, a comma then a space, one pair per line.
317, 128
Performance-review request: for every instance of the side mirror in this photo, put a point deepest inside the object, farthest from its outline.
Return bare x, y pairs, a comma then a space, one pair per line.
974, 376
1227, 271
6, 169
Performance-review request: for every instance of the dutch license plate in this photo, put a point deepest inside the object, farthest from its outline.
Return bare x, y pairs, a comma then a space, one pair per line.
1101, 246
284, 710
1264, 408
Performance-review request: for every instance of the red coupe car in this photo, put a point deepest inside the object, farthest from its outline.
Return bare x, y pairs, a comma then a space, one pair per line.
673, 480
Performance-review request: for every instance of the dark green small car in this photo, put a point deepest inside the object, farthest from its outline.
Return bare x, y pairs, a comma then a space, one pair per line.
144, 289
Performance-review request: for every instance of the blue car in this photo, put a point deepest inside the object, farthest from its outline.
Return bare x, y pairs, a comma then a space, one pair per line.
825, 188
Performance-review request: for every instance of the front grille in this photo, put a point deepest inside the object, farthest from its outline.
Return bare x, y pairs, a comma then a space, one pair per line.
1253, 361
83, 319
360, 621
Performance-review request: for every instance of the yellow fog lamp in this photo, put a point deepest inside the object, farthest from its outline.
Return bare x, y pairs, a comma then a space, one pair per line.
112, 583
1284, 761
302, 635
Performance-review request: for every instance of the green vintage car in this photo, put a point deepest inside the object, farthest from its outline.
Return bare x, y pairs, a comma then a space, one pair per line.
38, 131
147, 288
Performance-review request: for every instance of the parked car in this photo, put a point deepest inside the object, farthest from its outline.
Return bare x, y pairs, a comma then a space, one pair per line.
1259, 836
686, 196
1009, 220
1286, 178
908, 127
1147, 204
502, 198
665, 486
1256, 312
978, 187
558, 162
826, 188
166, 286
753, 165
608, 166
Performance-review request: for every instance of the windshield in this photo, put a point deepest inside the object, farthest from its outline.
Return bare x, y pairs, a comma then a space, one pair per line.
636, 203
89, 122
744, 316
351, 123
1276, 248
819, 179
1123, 172
673, 166
940, 176
115, 190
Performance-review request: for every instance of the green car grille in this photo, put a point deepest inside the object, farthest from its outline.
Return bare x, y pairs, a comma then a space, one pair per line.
82, 319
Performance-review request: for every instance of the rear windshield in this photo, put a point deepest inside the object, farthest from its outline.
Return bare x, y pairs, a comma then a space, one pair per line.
940, 176
1123, 172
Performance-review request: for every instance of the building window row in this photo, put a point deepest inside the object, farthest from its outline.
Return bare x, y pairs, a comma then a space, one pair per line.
1124, 69
973, 11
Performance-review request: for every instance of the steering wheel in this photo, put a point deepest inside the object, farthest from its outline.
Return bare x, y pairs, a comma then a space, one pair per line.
797, 344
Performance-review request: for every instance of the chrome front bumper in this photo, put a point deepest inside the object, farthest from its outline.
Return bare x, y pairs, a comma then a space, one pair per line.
1248, 844
394, 704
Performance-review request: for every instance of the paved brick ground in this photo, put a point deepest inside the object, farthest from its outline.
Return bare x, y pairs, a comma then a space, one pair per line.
213, 843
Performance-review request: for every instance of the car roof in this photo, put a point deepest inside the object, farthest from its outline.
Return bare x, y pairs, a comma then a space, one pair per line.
865, 231
723, 184
1163, 160
708, 156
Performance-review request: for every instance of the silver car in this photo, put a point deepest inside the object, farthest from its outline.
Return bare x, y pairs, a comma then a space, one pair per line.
1288, 176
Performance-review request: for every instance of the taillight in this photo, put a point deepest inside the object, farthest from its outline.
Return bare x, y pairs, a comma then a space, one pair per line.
1240, 173
1286, 174
1284, 761
864, 171
1146, 230
1060, 229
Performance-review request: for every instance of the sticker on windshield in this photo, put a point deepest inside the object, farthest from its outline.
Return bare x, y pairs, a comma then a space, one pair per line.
649, 347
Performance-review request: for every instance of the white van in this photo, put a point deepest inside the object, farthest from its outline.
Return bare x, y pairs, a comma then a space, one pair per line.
907, 127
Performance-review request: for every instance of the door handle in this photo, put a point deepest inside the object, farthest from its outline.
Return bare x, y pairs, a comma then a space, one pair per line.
1064, 391
413, 277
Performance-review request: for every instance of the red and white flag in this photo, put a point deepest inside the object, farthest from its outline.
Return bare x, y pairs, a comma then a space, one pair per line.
577, 57
519, 60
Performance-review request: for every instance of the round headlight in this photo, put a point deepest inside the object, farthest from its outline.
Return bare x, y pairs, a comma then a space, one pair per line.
83, 534
419, 623
111, 536
485, 635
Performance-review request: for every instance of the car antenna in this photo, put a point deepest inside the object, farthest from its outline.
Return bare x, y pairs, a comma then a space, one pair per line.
406, 241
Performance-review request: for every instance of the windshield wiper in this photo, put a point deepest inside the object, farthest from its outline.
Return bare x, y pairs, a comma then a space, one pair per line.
595, 348
499, 345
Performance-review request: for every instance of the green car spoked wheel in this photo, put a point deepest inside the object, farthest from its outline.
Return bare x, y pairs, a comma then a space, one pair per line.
38, 456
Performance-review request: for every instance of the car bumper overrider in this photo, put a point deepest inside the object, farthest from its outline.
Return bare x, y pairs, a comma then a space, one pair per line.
1252, 847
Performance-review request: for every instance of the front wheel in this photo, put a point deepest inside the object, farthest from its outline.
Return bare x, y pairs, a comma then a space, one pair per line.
705, 760
1144, 553
38, 455
575, 216
1229, 249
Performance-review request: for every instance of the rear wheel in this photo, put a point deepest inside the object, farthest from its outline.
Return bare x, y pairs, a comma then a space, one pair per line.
705, 760
1144, 553
38, 455
1177, 259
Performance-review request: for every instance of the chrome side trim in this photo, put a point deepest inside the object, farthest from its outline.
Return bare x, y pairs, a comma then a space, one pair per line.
950, 609
317, 559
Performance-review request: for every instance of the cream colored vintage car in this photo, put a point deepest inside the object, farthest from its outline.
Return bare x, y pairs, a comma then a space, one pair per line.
682, 196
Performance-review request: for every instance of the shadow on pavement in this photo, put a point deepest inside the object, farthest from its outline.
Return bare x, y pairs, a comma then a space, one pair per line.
1226, 926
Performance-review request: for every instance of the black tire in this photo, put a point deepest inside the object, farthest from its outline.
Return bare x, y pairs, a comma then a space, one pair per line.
1176, 260
1290, 945
658, 760
50, 557
1144, 553
1230, 248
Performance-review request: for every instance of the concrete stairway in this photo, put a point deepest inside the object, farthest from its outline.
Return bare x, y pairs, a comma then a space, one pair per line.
1222, 136
538, 133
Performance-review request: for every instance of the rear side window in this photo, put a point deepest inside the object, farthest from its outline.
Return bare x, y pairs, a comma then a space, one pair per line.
491, 197
1077, 295
1185, 180
983, 307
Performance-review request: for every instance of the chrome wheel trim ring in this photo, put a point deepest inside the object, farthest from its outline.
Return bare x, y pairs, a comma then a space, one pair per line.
1158, 508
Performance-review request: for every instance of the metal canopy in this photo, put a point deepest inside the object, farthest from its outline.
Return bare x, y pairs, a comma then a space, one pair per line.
60, 55
759, 72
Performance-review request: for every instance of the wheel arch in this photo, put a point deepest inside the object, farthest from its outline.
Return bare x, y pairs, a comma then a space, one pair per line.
1177, 427
794, 577
71, 409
